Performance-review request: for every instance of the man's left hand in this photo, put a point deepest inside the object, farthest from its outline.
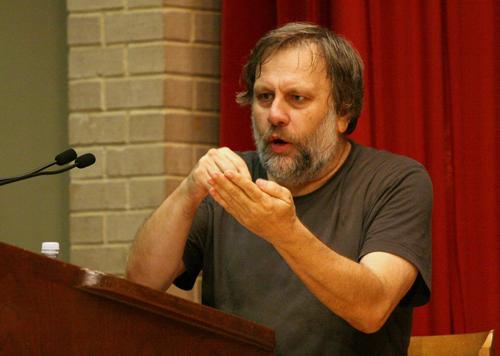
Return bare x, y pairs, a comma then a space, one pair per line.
264, 207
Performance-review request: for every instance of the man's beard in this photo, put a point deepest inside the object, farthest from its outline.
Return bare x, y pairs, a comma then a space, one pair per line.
313, 152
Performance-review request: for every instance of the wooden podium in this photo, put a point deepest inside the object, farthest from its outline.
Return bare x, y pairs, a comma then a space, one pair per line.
48, 307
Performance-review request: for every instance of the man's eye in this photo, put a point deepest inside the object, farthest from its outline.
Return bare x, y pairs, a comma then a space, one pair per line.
265, 96
298, 98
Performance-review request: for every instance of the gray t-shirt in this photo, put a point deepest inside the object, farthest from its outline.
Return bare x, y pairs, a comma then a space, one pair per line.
377, 201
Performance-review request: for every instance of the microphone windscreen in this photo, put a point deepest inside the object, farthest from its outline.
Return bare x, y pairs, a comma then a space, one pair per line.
85, 160
65, 157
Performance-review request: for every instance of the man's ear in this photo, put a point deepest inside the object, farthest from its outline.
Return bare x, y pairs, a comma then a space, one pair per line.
342, 123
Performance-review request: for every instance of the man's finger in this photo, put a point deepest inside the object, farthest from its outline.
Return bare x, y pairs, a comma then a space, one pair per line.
225, 159
207, 164
219, 160
237, 162
233, 195
245, 184
275, 190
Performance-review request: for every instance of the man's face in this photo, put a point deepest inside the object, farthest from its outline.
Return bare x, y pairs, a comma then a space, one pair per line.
295, 129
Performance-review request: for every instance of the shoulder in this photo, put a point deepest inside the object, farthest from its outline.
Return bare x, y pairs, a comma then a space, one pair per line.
370, 156
386, 181
386, 168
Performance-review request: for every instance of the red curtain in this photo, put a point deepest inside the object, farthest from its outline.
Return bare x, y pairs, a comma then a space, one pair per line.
432, 93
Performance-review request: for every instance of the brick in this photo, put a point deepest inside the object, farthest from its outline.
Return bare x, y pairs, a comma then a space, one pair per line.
146, 59
179, 93
90, 5
149, 127
135, 93
98, 195
207, 95
197, 4
177, 25
86, 229
108, 259
85, 95
147, 192
206, 61
191, 128
84, 30
136, 26
122, 227
144, 3
94, 171
207, 27
178, 160
87, 129
135, 160
192, 60
178, 59
85, 63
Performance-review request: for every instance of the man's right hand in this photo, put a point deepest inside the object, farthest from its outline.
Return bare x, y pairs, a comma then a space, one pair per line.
155, 258
215, 160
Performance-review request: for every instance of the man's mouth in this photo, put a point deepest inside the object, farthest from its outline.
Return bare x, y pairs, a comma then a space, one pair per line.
279, 145
278, 141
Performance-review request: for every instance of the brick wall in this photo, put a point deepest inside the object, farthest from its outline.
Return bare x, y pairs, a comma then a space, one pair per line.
144, 98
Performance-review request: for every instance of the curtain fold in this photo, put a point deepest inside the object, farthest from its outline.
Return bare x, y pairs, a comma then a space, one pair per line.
432, 92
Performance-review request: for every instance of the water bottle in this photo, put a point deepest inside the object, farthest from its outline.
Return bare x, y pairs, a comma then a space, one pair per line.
50, 249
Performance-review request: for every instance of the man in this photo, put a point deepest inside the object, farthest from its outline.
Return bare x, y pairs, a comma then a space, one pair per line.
321, 239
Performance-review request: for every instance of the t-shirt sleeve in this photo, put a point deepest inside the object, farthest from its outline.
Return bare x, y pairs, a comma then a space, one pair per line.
400, 223
193, 251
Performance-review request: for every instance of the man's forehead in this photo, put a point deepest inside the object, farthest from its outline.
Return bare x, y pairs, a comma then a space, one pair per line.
308, 55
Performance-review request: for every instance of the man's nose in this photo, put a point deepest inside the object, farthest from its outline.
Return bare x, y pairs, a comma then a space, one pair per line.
278, 115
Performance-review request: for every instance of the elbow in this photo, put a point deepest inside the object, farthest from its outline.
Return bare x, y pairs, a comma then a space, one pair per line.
370, 326
370, 321
132, 270
144, 279
132, 273
148, 276
136, 274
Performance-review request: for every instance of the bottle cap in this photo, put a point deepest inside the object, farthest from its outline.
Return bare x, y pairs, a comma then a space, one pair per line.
51, 248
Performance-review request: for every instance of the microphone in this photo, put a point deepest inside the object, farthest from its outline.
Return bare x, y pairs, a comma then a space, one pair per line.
63, 158
85, 160
82, 161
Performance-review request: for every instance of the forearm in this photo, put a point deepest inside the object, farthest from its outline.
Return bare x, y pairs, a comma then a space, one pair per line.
155, 258
349, 289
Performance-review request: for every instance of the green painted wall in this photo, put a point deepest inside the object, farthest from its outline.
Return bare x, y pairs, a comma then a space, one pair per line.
33, 121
